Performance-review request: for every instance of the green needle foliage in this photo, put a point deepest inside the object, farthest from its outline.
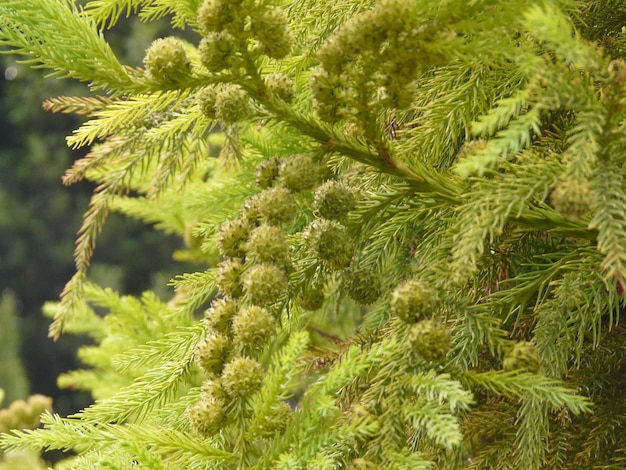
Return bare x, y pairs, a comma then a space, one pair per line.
409, 223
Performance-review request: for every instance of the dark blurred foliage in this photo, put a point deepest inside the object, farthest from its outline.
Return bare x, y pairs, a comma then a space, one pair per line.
12, 375
39, 217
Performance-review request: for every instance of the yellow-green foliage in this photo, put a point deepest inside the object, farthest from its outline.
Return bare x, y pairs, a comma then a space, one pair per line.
408, 221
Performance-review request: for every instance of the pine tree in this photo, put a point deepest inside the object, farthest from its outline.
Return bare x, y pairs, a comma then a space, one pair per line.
409, 223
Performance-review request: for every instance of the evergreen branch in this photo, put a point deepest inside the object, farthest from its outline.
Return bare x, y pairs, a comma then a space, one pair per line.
336, 142
223, 196
150, 212
93, 221
531, 284
76, 104
115, 183
127, 307
392, 435
584, 139
97, 382
500, 116
521, 75
610, 221
68, 433
476, 330
141, 111
191, 125
181, 157
278, 384
322, 449
110, 11
495, 202
515, 385
491, 422
112, 149
260, 144
532, 433
354, 363
86, 321
314, 21
445, 110
175, 415
197, 289
440, 388
71, 305
517, 136
559, 445
165, 349
184, 12
602, 444
404, 220
422, 178
321, 411
551, 26
434, 420
575, 313
45, 31
148, 392
113, 457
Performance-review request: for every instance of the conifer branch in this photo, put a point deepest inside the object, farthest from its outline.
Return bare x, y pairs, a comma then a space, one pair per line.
610, 221
411, 243
76, 104
150, 391
67, 433
516, 385
183, 12
108, 12
138, 111
45, 31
